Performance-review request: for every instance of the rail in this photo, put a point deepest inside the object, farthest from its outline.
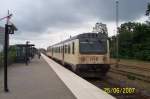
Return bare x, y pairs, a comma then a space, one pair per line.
134, 75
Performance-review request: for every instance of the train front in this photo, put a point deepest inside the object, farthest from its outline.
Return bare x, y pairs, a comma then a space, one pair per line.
93, 55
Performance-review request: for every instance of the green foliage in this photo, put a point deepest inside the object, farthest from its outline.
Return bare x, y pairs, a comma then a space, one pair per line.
148, 9
1, 59
134, 41
11, 55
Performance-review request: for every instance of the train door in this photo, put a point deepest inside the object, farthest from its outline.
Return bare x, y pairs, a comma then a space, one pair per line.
63, 54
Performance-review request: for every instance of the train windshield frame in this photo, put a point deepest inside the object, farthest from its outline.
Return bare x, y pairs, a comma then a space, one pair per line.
93, 46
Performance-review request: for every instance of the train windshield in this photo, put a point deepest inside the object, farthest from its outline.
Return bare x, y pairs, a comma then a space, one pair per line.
93, 46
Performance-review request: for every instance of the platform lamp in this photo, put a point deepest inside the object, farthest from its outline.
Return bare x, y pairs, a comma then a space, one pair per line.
26, 57
9, 29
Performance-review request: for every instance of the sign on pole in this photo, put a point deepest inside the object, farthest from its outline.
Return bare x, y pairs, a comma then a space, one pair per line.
2, 38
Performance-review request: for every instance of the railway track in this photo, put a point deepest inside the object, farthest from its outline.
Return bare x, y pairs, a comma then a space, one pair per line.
131, 75
134, 67
112, 83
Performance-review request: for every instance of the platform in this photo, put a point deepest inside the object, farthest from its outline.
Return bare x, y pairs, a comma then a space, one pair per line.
45, 79
35, 81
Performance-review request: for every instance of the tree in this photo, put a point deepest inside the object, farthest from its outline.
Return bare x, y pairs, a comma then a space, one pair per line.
134, 41
148, 10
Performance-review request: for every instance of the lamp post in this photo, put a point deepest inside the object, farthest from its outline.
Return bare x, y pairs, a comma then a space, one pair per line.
117, 31
27, 57
9, 29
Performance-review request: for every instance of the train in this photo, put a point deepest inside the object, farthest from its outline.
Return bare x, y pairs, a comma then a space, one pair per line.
86, 54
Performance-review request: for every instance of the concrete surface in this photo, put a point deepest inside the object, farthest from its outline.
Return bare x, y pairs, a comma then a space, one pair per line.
35, 81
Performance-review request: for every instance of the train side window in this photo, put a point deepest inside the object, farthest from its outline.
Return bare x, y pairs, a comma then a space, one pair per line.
62, 49
65, 49
68, 49
59, 49
73, 48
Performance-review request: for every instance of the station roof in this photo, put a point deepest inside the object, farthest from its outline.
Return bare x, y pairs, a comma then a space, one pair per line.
24, 45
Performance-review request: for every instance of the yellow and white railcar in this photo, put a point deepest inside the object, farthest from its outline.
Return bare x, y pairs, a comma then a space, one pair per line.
86, 54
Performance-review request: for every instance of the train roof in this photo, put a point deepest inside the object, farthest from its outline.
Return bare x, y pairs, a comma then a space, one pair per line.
84, 35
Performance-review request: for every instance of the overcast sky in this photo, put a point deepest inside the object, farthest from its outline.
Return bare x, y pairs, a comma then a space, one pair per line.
45, 22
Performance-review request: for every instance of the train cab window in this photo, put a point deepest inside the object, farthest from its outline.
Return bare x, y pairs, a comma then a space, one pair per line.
73, 48
92, 45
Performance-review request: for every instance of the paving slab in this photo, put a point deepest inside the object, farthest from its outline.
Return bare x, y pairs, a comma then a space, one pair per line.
35, 81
